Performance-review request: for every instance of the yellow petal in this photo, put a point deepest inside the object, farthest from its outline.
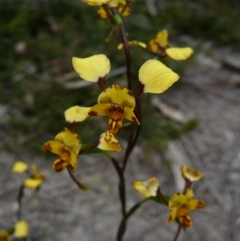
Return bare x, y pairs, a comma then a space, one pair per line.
179, 53
70, 140
126, 12
133, 43
73, 161
108, 142
76, 114
4, 236
92, 68
116, 3
191, 174
100, 110
102, 13
32, 183
36, 174
21, 229
19, 167
172, 215
117, 95
129, 115
189, 194
156, 77
147, 188
153, 46
95, 2
194, 204
55, 147
162, 38
177, 200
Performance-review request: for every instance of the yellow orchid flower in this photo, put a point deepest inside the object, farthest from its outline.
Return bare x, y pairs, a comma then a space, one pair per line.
148, 188
4, 236
21, 229
118, 103
108, 142
160, 45
119, 4
35, 177
190, 174
67, 146
180, 205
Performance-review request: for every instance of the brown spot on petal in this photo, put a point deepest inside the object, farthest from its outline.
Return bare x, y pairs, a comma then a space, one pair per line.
186, 221
58, 166
47, 147
92, 113
170, 219
130, 93
201, 204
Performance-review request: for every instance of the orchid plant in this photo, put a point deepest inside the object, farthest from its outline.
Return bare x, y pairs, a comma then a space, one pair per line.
120, 104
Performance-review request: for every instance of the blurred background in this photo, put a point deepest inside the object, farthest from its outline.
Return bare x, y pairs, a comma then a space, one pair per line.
37, 83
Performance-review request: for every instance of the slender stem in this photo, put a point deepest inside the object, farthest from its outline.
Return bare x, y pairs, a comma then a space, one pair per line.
138, 91
127, 55
121, 228
133, 137
19, 200
187, 186
121, 187
102, 83
161, 197
81, 186
126, 48
89, 147
177, 233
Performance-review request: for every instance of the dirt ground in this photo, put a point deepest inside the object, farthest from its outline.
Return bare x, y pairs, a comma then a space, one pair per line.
60, 211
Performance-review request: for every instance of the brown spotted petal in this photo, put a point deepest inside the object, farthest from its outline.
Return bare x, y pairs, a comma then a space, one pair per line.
190, 174
117, 95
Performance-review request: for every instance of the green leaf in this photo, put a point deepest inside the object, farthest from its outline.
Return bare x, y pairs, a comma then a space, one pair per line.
95, 150
189, 126
156, 199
